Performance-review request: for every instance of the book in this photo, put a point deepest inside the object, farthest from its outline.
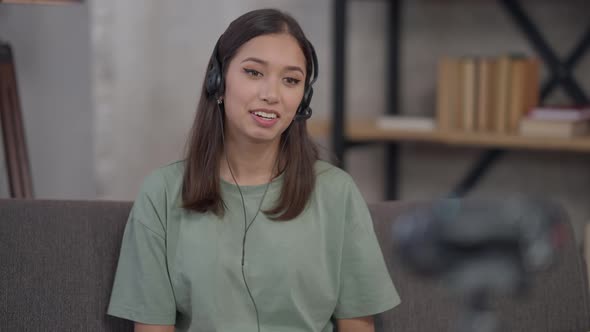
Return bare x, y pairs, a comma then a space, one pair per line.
502, 94
568, 113
518, 99
406, 122
524, 89
447, 94
533, 85
554, 128
486, 70
468, 93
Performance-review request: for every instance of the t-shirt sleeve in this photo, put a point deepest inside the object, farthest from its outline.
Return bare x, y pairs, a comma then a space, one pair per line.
365, 285
142, 291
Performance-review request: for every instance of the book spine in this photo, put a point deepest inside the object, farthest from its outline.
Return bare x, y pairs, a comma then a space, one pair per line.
468, 80
518, 99
502, 94
533, 84
443, 94
485, 95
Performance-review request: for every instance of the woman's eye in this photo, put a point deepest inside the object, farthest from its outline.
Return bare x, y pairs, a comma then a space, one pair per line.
252, 72
292, 81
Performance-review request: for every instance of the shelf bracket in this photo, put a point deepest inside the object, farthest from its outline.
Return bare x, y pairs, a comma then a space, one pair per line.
561, 71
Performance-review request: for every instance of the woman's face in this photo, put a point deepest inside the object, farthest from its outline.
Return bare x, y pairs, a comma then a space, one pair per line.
264, 85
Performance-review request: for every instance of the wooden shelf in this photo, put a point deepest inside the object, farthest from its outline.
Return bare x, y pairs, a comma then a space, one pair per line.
368, 131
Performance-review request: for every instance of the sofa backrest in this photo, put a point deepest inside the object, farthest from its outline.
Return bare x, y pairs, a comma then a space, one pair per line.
58, 263
58, 260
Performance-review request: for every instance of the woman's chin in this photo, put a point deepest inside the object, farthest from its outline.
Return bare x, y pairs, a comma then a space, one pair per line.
264, 136
263, 139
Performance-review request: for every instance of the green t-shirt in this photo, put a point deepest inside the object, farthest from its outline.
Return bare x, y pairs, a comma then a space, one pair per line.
183, 268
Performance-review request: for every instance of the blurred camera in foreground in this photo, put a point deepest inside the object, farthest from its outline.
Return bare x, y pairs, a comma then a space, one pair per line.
481, 247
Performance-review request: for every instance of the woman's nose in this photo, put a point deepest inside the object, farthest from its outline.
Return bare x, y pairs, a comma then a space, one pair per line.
269, 91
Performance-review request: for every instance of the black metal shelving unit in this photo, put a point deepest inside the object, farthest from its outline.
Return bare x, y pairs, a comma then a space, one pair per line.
561, 74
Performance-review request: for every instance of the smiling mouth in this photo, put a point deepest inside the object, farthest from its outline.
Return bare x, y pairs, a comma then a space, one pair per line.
265, 115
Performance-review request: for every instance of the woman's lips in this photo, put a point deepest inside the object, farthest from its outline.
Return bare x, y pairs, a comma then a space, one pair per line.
264, 122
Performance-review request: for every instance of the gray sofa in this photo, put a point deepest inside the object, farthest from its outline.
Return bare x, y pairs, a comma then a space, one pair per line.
57, 260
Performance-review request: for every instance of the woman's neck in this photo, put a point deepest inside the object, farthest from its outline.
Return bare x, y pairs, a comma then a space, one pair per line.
251, 163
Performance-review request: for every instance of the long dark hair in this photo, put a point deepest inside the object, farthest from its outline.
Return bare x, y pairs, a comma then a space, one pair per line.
201, 182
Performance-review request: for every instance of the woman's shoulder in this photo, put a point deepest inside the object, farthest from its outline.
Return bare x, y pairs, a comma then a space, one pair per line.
157, 194
330, 176
164, 179
172, 172
335, 191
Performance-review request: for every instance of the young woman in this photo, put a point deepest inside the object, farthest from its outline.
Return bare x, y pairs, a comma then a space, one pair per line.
251, 232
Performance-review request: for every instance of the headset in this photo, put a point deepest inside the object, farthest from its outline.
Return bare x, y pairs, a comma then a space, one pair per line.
215, 84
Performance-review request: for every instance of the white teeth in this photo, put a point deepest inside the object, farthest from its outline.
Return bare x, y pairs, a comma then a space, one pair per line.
266, 115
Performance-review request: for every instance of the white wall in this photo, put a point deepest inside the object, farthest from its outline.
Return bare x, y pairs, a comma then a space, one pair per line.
51, 45
150, 63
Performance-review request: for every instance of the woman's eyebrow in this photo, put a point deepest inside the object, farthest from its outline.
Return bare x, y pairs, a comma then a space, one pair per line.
262, 62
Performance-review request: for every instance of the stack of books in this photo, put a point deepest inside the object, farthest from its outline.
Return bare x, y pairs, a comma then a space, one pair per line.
556, 122
486, 94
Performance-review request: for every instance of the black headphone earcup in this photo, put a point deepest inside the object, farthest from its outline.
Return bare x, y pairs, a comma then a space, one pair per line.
304, 111
213, 80
304, 114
